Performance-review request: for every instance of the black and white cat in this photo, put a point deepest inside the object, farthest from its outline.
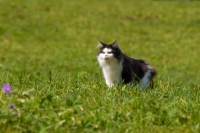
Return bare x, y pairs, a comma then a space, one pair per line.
119, 68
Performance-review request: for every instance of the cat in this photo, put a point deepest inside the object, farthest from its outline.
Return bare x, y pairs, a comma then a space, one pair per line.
119, 68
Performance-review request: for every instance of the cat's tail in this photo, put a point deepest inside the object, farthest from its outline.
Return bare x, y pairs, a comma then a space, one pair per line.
153, 72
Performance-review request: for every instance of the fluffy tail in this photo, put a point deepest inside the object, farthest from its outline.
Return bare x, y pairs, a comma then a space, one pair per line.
153, 74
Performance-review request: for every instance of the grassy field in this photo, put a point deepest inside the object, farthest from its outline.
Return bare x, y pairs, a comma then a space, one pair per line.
48, 57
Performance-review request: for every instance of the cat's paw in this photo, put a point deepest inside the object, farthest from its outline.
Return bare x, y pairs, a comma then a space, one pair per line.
110, 85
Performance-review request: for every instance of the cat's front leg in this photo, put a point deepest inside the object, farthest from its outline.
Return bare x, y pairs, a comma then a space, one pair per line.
110, 84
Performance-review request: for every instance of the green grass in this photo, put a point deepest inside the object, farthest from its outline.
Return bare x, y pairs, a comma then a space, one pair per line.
48, 57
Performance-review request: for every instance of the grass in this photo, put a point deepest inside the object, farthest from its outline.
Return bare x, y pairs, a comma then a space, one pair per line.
48, 57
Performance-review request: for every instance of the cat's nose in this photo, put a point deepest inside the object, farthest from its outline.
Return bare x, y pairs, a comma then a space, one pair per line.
106, 56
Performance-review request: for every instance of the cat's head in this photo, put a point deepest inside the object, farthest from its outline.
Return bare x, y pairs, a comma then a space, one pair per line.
109, 51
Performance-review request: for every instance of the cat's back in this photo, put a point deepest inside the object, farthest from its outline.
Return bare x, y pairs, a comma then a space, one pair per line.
138, 66
142, 67
135, 62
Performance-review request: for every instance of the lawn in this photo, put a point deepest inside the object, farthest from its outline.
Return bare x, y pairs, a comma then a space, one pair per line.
48, 56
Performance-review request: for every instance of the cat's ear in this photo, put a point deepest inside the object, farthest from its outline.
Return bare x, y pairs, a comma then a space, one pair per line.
100, 44
115, 44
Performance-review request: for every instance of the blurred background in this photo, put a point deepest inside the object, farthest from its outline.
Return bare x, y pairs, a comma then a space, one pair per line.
61, 36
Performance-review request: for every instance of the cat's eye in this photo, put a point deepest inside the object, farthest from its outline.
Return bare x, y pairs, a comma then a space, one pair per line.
109, 52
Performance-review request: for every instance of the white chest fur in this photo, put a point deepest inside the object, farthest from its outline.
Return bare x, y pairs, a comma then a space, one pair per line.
112, 70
